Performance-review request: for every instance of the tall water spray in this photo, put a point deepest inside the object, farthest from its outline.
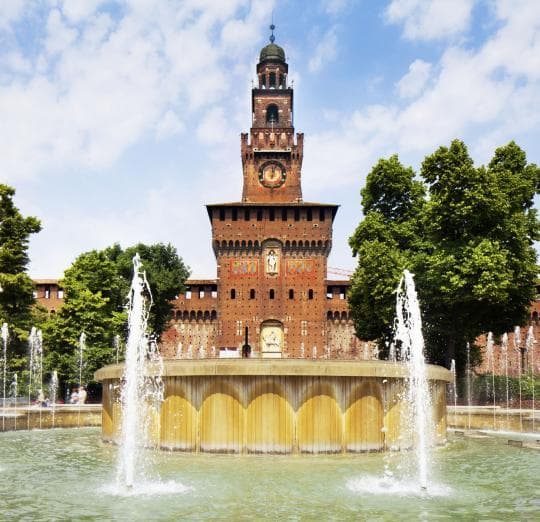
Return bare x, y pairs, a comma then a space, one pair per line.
491, 367
136, 387
529, 346
82, 348
454, 387
14, 390
117, 347
53, 391
32, 346
504, 349
517, 348
5, 339
409, 333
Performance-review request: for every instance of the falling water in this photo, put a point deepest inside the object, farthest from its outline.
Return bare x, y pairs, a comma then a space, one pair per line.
14, 389
314, 352
366, 354
454, 387
529, 345
82, 348
32, 343
302, 351
468, 372
39, 368
504, 349
213, 352
409, 333
491, 367
517, 348
53, 390
5, 339
202, 352
179, 351
136, 388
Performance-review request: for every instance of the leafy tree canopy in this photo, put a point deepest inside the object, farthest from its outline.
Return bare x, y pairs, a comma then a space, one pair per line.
96, 287
16, 298
466, 233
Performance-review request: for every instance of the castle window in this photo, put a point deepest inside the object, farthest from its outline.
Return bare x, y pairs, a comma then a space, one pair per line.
34, 294
272, 214
233, 293
297, 214
246, 214
309, 214
47, 293
235, 214
259, 214
291, 293
272, 115
201, 293
342, 293
321, 214
188, 294
310, 294
60, 294
263, 81
222, 214
272, 294
272, 80
252, 293
283, 214
282, 81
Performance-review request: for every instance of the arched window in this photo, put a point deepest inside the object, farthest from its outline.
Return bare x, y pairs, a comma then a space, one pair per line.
291, 293
272, 80
310, 294
233, 293
272, 294
272, 114
252, 293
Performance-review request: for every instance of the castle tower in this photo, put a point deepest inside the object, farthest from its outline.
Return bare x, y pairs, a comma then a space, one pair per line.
272, 248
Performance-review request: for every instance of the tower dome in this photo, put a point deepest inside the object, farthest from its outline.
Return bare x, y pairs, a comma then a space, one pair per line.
272, 51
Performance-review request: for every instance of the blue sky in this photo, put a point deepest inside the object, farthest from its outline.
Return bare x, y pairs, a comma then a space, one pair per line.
119, 119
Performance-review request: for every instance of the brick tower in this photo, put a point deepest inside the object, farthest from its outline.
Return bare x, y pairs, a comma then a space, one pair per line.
272, 247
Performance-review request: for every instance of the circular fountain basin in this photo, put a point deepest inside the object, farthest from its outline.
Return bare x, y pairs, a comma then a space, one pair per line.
279, 405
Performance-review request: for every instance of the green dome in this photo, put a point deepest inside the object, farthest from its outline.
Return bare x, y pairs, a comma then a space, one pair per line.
272, 52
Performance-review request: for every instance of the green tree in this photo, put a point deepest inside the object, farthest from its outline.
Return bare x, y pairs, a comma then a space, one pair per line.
469, 242
165, 272
96, 288
16, 286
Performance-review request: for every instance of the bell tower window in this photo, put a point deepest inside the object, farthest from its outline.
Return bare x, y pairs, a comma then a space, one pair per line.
272, 80
272, 114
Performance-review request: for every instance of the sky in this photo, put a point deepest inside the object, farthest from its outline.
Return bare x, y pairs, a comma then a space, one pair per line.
120, 120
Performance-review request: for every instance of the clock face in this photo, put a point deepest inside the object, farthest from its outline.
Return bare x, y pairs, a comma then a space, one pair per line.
272, 174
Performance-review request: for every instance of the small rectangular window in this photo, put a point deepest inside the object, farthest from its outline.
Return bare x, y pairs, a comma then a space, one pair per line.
309, 214
222, 214
259, 214
321, 214
235, 214
283, 214
272, 214
246, 214
60, 294
188, 294
297, 214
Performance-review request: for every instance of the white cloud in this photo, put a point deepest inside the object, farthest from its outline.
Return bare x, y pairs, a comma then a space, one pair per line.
169, 125
430, 19
413, 82
325, 50
96, 88
485, 96
11, 11
213, 127
335, 7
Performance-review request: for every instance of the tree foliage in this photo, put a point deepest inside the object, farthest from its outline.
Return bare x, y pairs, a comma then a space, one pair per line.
466, 233
96, 287
16, 294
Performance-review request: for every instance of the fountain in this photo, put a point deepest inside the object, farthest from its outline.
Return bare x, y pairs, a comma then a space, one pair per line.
5, 339
80, 363
454, 386
529, 347
504, 350
53, 390
409, 333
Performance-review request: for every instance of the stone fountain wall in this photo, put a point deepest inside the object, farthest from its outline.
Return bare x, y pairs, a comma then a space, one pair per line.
279, 407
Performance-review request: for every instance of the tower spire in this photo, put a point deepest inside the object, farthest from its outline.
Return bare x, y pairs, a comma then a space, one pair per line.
272, 27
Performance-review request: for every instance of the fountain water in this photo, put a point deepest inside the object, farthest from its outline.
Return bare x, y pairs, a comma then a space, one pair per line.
5, 339
454, 386
302, 351
213, 352
491, 367
14, 390
32, 344
314, 352
82, 348
504, 349
202, 352
53, 390
469, 398
529, 346
137, 388
409, 333
178, 354
517, 348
